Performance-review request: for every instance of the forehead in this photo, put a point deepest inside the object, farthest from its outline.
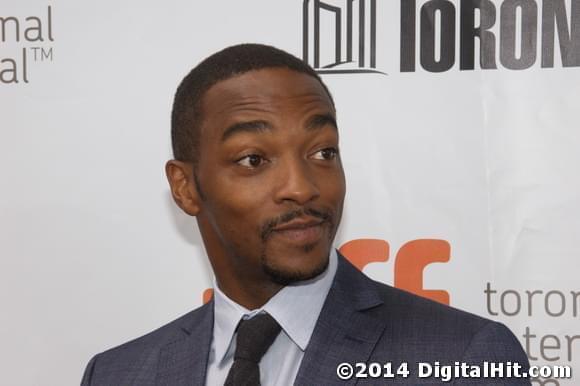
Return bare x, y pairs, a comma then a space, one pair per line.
272, 90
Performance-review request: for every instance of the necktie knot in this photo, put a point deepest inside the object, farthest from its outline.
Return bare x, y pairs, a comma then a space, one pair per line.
255, 336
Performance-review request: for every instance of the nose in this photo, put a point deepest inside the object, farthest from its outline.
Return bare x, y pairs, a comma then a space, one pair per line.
295, 183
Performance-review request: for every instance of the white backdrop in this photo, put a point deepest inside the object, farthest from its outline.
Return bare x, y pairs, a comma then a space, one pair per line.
94, 253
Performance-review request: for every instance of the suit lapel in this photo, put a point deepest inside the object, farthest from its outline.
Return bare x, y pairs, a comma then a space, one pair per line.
184, 362
344, 332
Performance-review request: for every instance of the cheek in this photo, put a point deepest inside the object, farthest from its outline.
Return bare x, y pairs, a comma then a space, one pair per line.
241, 204
236, 209
333, 185
242, 193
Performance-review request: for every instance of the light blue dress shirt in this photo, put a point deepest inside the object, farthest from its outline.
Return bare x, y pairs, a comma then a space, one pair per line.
295, 307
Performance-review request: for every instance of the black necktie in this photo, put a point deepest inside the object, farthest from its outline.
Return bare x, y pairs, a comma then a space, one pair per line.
255, 336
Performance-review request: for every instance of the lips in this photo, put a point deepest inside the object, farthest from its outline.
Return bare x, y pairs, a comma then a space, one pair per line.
300, 230
298, 223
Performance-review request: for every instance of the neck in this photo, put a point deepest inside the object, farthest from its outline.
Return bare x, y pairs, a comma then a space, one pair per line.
250, 295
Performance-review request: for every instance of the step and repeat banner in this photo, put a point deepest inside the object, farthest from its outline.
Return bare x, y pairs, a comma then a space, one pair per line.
460, 136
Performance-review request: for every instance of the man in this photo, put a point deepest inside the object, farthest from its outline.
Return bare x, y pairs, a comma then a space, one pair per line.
257, 162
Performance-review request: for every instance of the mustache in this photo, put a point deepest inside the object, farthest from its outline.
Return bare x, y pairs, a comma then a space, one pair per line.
268, 227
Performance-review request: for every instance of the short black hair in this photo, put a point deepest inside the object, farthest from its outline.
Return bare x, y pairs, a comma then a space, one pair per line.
227, 63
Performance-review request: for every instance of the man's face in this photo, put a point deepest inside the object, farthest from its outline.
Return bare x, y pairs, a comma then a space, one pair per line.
270, 177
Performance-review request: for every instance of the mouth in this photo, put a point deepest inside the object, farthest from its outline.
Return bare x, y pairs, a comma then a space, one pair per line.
300, 230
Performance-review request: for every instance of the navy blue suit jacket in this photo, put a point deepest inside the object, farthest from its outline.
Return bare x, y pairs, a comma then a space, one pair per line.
361, 321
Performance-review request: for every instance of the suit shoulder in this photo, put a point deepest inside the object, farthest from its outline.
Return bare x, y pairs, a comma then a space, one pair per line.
449, 332
136, 362
409, 306
154, 340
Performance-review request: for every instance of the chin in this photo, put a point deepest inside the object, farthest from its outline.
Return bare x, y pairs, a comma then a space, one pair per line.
307, 263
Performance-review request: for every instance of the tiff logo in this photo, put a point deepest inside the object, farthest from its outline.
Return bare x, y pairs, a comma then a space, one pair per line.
355, 35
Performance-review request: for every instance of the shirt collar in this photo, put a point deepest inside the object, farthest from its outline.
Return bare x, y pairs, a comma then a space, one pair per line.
295, 307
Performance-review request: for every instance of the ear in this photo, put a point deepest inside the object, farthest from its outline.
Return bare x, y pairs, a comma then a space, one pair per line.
183, 187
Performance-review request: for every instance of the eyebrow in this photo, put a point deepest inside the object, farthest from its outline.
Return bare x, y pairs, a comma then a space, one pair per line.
316, 122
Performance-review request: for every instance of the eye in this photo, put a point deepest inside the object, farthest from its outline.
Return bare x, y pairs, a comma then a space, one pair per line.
326, 154
251, 161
